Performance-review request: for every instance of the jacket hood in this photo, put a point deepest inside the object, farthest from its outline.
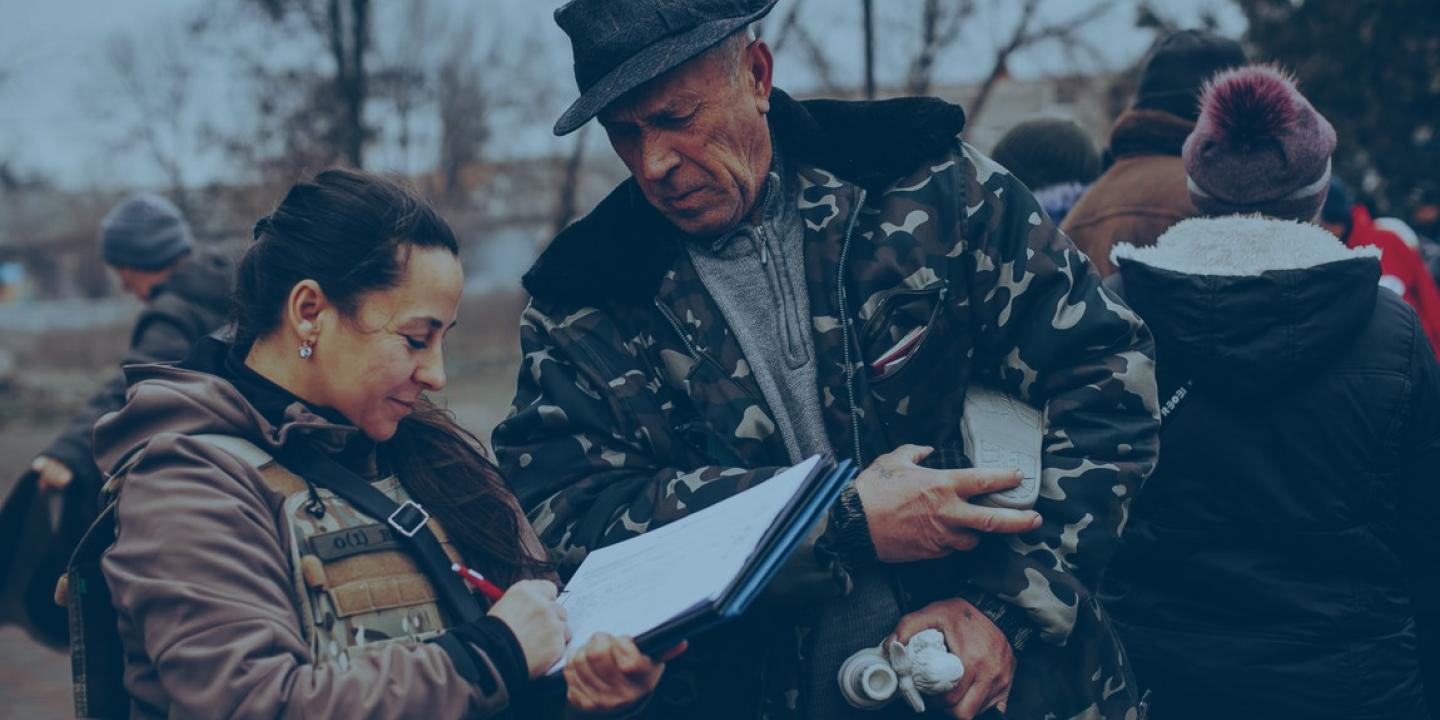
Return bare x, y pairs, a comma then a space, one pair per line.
188, 400
1250, 303
206, 279
1149, 132
620, 250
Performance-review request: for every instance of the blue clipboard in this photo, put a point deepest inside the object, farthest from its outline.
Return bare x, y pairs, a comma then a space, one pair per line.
817, 495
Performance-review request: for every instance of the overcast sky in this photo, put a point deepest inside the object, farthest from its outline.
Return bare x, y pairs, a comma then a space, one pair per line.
55, 118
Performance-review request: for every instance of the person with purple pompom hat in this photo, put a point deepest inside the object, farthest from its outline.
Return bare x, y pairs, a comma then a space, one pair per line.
1276, 563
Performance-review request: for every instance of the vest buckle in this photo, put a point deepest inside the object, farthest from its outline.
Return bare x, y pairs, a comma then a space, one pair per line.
408, 519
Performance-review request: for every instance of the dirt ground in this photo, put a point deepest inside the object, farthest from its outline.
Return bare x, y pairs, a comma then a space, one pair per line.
56, 370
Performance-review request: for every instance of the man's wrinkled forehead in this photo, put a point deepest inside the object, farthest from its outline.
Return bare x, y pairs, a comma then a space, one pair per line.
652, 100
677, 92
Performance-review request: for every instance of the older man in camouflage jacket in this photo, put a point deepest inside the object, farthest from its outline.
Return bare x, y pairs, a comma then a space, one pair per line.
780, 278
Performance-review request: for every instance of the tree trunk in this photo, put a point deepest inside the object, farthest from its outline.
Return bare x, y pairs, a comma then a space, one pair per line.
348, 42
570, 185
355, 113
869, 6
920, 71
999, 67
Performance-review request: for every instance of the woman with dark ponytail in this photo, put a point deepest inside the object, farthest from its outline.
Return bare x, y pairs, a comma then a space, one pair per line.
251, 572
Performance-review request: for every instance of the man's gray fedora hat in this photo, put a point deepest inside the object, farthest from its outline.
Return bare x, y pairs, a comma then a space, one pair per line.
620, 45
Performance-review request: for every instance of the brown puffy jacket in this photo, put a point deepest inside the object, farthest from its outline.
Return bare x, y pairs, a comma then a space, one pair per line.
1141, 195
201, 576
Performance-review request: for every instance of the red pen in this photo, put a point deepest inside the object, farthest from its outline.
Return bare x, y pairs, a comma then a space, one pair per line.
478, 581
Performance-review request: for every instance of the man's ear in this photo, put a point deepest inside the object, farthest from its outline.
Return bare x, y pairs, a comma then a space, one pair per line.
761, 66
303, 310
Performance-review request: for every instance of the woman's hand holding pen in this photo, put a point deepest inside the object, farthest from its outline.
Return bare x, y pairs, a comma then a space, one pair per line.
529, 609
608, 674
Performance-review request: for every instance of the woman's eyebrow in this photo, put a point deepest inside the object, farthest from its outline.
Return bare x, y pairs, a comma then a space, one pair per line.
430, 322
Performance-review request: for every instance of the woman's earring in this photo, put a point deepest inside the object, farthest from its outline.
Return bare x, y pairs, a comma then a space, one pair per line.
306, 350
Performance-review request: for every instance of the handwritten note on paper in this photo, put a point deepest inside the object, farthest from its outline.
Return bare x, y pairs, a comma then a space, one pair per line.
637, 585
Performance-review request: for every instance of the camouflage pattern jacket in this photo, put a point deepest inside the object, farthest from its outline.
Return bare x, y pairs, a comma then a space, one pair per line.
635, 405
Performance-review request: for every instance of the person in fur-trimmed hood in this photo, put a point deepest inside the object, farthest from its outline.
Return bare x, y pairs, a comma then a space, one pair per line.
780, 279
1280, 561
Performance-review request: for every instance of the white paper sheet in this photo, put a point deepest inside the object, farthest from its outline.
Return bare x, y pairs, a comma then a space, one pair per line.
640, 584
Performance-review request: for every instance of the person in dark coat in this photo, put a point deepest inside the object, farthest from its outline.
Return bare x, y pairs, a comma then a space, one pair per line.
1143, 193
147, 241
1279, 563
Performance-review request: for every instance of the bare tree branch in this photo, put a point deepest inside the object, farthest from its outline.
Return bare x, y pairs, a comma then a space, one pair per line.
1067, 28
787, 26
344, 27
157, 90
934, 39
819, 62
1024, 35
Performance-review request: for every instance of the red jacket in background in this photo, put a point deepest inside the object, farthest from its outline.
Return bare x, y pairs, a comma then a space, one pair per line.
1400, 266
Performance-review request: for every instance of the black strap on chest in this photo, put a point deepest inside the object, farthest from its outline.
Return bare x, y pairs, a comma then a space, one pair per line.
407, 519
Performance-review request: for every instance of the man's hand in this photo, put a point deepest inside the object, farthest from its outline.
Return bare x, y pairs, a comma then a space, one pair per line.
916, 513
610, 674
989, 662
54, 475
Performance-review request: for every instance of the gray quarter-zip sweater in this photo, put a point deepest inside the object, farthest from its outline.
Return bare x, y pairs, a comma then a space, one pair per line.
756, 275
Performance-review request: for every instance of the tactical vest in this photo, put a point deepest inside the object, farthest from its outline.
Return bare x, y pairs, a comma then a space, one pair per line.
355, 587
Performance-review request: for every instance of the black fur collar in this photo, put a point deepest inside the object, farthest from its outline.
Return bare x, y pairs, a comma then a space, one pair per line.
622, 248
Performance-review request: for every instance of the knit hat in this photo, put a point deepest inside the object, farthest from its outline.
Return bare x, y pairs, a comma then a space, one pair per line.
1048, 151
1179, 65
145, 232
1258, 147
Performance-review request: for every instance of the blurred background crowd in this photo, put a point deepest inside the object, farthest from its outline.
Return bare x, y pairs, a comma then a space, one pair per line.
220, 105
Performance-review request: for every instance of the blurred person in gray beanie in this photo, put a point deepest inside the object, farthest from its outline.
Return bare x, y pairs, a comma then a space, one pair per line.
1054, 157
186, 293
144, 239
1144, 192
1273, 564
148, 243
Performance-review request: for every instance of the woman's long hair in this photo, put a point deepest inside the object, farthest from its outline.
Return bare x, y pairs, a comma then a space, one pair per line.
351, 232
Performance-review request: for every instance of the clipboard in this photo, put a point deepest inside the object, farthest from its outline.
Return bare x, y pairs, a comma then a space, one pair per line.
794, 515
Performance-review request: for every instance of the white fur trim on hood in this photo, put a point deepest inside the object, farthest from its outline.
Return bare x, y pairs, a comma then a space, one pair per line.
1240, 245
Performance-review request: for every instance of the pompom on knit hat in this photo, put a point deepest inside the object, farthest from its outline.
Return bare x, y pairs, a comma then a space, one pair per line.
1047, 151
145, 232
1258, 147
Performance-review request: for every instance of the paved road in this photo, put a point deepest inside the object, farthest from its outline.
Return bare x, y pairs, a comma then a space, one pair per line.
34, 680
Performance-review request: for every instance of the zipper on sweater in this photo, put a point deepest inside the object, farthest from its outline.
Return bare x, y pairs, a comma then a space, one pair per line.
845, 328
777, 277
